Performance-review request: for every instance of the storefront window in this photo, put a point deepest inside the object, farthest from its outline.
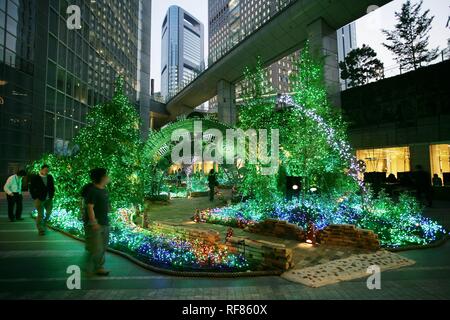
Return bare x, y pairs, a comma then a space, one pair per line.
440, 160
202, 167
388, 160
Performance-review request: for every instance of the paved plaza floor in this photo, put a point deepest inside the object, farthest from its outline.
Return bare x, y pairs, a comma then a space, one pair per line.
33, 267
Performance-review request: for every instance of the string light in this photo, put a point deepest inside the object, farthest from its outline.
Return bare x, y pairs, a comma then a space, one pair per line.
397, 224
154, 246
111, 140
313, 143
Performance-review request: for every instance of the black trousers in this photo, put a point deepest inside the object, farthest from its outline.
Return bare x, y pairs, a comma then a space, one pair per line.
15, 200
211, 193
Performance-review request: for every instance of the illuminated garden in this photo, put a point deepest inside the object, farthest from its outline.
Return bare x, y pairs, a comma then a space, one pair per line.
313, 148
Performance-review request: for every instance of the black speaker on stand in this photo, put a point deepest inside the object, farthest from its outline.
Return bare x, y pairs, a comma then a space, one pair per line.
294, 186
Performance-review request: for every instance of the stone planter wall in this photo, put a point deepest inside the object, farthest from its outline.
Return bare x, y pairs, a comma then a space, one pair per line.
266, 255
260, 254
191, 234
349, 236
278, 229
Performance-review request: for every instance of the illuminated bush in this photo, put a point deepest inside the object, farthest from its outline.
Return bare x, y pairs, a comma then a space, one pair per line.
397, 223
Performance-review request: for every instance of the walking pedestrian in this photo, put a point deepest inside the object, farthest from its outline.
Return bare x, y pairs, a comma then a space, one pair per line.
179, 177
13, 190
42, 190
96, 222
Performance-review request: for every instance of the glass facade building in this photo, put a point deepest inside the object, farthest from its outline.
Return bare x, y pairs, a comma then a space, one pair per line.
143, 92
182, 51
231, 21
346, 42
51, 75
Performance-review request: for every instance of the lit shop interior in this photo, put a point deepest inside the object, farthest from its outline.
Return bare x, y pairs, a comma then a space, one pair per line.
397, 161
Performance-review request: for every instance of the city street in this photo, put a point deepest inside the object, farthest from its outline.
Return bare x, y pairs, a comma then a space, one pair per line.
33, 267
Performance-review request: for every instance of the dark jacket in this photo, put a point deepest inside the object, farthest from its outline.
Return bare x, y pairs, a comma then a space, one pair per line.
38, 190
212, 180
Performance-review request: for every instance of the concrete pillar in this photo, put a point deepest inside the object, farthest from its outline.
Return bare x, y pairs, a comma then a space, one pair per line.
323, 42
226, 102
144, 111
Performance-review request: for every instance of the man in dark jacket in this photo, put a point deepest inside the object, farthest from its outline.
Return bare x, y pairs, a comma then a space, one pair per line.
422, 183
212, 183
42, 190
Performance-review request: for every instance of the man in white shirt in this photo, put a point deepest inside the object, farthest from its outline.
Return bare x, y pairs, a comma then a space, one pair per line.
13, 190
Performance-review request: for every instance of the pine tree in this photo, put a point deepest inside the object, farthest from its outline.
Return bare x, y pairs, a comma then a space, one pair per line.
360, 66
409, 40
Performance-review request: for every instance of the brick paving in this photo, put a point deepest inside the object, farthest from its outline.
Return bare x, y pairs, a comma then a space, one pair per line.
33, 267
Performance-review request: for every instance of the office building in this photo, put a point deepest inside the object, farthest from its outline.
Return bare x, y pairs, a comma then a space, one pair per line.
401, 122
182, 50
346, 42
51, 75
231, 21
143, 92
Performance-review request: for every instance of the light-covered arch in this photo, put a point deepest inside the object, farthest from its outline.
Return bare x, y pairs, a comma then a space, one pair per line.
160, 143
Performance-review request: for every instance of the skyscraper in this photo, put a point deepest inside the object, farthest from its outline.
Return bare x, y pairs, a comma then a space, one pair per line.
51, 75
346, 42
182, 50
231, 21
143, 65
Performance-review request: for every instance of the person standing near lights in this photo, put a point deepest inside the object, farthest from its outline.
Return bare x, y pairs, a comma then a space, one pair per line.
212, 183
437, 181
179, 177
96, 221
42, 190
13, 190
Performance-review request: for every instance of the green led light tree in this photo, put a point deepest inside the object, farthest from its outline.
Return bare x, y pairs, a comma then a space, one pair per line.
310, 154
304, 149
257, 112
109, 140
